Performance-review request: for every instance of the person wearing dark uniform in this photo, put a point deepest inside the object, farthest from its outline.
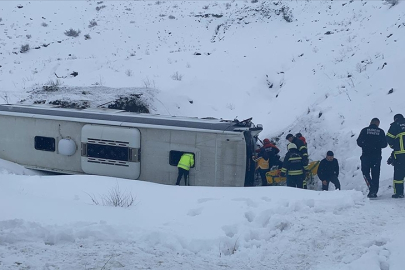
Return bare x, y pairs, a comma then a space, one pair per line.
300, 146
396, 140
293, 167
328, 171
302, 149
371, 140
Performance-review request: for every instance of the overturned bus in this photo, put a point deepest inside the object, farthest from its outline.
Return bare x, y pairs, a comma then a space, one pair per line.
128, 145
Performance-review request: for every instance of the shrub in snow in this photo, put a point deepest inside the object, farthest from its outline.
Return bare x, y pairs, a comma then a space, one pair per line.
72, 33
28, 36
131, 103
148, 83
392, 2
100, 7
70, 104
287, 14
51, 86
115, 197
128, 72
44, 24
172, 17
87, 36
24, 48
92, 23
177, 76
1, 19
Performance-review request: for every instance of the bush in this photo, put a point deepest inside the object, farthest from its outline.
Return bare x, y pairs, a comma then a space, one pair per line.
70, 104
44, 24
115, 197
92, 23
131, 103
51, 86
172, 17
177, 76
87, 36
100, 7
287, 14
24, 48
72, 33
392, 2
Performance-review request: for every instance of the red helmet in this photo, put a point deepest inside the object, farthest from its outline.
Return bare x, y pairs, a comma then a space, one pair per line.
266, 141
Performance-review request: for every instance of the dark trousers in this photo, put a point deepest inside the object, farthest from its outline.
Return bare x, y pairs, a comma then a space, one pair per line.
262, 173
373, 164
183, 172
399, 174
332, 179
295, 180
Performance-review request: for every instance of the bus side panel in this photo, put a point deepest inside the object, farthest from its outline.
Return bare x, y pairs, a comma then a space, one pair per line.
231, 155
18, 142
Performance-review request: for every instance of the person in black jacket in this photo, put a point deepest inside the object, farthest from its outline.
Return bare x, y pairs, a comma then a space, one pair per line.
293, 167
328, 171
396, 140
371, 140
300, 146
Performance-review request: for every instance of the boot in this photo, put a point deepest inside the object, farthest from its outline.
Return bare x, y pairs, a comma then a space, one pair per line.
396, 196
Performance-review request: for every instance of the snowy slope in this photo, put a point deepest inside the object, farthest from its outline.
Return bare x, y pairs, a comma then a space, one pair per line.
325, 73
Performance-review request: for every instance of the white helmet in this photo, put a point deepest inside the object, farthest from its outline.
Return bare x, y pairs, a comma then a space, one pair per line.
291, 146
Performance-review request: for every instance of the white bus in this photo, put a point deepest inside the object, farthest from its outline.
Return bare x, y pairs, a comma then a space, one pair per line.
128, 145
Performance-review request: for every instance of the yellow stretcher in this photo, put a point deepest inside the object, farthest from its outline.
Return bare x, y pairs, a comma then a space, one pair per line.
274, 179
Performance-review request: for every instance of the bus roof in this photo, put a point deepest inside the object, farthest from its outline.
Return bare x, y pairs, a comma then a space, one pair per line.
102, 114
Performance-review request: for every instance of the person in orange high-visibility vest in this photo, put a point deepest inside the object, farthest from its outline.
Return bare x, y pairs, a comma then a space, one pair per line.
184, 165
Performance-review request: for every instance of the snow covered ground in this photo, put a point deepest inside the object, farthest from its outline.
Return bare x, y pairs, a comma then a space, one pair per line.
325, 73
50, 222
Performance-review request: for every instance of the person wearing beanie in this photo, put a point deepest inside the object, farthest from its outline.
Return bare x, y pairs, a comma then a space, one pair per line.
328, 171
300, 146
396, 140
270, 150
293, 167
371, 140
302, 138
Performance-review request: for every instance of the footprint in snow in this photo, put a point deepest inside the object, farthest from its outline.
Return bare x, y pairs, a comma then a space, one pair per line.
195, 212
203, 200
250, 216
248, 202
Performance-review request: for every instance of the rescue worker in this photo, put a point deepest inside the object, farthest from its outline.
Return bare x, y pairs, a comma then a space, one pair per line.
262, 165
396, 140
272, 152
300, 146
302, 138
184, 165
371, 140
328, 171
293, 167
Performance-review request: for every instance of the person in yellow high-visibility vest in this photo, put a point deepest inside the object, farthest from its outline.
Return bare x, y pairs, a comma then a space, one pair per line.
184, 165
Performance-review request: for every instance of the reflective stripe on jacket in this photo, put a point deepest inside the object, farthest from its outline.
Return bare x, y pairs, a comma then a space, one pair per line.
186, 161
293, 163
396, 137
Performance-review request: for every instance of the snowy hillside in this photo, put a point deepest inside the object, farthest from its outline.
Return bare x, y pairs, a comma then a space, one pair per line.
322, 68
